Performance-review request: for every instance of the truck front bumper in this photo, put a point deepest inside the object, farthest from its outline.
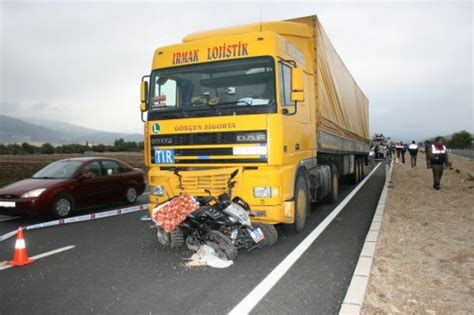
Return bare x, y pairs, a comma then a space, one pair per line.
271, 210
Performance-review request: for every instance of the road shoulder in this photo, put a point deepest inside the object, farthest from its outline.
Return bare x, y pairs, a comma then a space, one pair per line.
424, 259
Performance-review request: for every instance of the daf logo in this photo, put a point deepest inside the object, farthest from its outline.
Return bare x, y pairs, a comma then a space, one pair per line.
252, 137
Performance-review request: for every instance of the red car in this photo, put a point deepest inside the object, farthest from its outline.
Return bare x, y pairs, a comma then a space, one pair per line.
73, 184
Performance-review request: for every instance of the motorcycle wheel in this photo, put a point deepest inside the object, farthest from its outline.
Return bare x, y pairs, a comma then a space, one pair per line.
224, 243
174, 239
270, 233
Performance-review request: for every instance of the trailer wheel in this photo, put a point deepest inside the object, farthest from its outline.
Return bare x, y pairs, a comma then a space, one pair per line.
301, 205
362, 169
355, 177
334, 194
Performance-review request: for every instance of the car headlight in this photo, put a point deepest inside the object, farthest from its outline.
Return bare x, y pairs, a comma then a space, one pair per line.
262, 192
158, 190
33, 193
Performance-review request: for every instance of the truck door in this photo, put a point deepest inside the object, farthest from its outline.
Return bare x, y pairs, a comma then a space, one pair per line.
296, 133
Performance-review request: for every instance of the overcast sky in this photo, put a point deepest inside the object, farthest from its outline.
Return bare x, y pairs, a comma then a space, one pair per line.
82, 62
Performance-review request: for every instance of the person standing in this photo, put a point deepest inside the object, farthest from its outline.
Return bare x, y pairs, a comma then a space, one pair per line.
404, 150
427, 153
438, 161
398, 148
413, 150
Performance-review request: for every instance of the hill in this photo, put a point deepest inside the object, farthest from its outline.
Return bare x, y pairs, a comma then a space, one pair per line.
13, 130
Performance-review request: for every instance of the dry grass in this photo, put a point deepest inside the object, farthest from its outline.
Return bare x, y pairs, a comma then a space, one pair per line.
424, 260
16, 167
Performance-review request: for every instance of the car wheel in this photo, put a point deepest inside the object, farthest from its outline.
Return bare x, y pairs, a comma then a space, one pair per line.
62, 206
131, 195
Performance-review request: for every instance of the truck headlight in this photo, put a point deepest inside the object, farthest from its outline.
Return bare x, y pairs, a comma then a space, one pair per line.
158, 190
33, 193
262, 192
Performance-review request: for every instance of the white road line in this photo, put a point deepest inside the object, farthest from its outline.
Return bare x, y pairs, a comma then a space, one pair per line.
3, 265
8, 218
259, 292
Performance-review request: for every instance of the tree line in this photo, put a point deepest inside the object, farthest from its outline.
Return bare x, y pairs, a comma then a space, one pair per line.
120, 145
460, 140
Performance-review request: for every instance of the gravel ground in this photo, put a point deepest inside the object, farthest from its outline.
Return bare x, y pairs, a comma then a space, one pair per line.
424, 260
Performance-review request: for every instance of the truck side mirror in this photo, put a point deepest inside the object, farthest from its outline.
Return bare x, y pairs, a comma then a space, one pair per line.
143, 96
297, 85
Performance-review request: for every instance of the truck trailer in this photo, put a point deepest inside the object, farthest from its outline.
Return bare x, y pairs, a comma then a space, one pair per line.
271, 102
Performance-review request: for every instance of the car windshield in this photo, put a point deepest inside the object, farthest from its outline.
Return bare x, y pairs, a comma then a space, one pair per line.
59, 169
211, 89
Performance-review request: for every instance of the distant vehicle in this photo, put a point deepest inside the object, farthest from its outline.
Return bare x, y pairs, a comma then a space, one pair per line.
73, 184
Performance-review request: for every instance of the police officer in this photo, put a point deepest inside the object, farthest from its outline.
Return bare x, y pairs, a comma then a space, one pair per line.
413, 150
438, 161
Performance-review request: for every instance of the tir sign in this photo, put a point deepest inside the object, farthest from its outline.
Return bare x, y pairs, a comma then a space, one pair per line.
164, 156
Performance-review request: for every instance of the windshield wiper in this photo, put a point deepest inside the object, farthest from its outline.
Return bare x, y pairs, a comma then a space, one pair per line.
44, 177
235, 102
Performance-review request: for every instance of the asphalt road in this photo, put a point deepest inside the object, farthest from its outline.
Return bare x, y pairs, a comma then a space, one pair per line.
469, 154
118, 267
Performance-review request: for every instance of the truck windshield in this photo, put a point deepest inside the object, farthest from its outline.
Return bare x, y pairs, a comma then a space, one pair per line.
219, 88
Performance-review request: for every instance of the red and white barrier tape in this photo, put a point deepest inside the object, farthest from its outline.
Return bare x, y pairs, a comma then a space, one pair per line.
80, 218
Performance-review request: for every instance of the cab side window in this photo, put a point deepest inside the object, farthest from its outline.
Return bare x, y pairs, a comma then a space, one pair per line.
112, 168
93, 169
285, 84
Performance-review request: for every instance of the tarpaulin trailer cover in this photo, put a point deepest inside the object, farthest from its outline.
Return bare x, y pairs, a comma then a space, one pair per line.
343, 109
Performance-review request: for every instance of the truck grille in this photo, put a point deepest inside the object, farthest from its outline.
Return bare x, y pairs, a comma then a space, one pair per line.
186, 150
209, 138
196, 185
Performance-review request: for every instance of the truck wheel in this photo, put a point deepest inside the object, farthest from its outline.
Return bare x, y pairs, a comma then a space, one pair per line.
301, 205
334, 194
270, 233
355, 177
62, 206
174, 239
362, 169
224, 244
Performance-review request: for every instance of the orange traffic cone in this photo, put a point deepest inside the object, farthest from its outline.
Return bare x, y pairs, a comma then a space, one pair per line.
20, 256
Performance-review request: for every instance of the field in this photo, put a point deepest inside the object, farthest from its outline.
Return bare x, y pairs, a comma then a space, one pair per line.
16, 167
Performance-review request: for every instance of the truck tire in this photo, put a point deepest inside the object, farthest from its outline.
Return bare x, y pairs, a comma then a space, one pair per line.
301, 204
270, 233
362, 169
224, 244
334, 194
355, 177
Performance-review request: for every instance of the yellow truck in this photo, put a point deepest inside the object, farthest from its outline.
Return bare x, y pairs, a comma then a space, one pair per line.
272, 100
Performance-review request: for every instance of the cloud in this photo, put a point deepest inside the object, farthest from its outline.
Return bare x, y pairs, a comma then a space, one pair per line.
82, 62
